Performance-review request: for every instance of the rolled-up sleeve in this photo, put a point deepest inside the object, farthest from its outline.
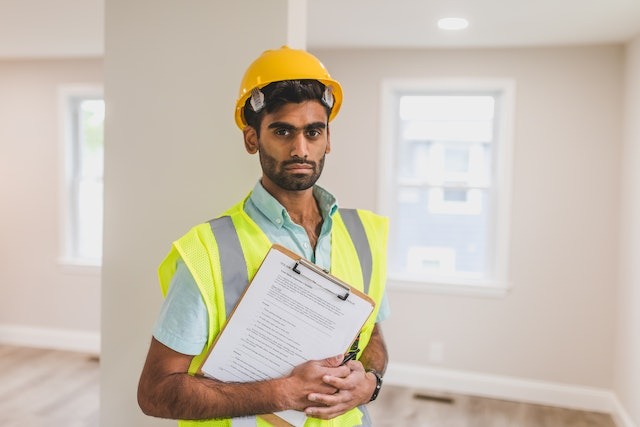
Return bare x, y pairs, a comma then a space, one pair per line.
183, 321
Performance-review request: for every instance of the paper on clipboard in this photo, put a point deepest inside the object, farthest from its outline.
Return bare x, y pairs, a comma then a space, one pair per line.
291, 312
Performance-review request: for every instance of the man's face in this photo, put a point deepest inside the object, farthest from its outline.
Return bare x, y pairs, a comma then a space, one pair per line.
292, 145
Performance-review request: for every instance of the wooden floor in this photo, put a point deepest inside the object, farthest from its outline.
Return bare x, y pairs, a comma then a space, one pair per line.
49, 388
399, 406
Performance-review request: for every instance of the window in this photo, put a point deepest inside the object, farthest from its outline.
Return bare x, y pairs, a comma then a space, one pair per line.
83, 117
446, 159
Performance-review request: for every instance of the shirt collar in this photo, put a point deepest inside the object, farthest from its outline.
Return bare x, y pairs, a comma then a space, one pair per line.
278, 215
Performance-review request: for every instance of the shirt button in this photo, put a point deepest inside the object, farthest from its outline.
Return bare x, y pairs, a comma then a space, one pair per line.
306, 245
278, 220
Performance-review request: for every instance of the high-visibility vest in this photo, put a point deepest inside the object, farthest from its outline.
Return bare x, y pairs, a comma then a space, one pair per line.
225, 253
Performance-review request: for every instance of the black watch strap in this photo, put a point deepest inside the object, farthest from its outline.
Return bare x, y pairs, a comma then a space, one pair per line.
378, 384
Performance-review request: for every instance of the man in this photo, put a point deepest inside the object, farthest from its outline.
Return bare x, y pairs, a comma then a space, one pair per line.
287, 99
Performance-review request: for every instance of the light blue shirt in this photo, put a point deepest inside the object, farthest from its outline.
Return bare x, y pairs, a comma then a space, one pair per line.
183, 321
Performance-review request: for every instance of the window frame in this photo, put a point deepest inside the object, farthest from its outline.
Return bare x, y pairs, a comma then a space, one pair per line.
69, 97
502, 152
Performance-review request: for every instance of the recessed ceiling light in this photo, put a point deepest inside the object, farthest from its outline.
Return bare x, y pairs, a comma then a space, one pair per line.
453, 24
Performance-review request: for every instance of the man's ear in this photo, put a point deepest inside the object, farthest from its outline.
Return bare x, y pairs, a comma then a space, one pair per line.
250, 139
327, 150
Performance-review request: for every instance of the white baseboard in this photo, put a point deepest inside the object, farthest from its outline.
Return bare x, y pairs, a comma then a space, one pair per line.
509, 388
621, 416
59, 339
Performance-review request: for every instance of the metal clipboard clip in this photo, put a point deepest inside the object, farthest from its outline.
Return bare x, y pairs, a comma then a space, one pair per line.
311, 266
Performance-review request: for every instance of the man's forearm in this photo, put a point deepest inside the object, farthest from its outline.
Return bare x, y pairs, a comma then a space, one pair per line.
187, 397
166, 390
375, 355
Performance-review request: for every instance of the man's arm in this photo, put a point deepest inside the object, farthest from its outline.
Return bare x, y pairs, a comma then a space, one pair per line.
357, 388
166, 390
375, 354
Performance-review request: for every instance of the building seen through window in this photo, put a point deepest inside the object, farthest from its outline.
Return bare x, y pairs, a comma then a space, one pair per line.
445, 199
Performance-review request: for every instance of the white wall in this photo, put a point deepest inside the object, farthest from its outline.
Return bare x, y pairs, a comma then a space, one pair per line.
557, 324
174, 157
627, 362
41, 301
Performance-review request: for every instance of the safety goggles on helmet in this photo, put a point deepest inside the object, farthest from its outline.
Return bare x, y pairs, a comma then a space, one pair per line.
284, 64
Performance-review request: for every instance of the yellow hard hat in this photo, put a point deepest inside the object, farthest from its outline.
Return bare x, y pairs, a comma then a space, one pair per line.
284, 64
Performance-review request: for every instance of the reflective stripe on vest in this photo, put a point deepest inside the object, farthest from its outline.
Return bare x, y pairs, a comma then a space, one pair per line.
234, 268
354, 226
253, 421
232, 264
244, 422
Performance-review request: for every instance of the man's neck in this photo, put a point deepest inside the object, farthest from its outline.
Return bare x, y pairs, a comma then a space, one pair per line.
299, 204
302, 208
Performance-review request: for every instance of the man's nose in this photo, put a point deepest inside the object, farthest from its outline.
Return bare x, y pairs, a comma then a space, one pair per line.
300, 147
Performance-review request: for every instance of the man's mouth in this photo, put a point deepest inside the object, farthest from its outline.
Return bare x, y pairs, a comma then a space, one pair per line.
299, 167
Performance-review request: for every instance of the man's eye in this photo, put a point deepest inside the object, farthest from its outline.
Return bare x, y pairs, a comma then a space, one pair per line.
314, 133
282, 132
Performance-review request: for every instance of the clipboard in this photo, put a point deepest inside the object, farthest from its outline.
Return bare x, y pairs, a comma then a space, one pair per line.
291, 312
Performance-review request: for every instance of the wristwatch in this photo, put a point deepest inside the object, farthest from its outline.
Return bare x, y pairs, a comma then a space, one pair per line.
378, 384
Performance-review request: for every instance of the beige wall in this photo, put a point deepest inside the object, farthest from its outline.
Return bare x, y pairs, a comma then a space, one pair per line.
37, 293
627, 362
565, 211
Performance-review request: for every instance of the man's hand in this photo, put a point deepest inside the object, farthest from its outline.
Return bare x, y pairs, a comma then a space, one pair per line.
309, 379
353, 390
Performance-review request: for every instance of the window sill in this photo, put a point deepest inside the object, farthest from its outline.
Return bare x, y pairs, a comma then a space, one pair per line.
80, 267
474, 289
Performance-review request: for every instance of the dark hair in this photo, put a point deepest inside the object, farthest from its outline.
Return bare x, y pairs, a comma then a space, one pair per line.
277, 94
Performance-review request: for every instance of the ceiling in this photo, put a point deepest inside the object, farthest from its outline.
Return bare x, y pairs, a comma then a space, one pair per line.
493, 23
33, 28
